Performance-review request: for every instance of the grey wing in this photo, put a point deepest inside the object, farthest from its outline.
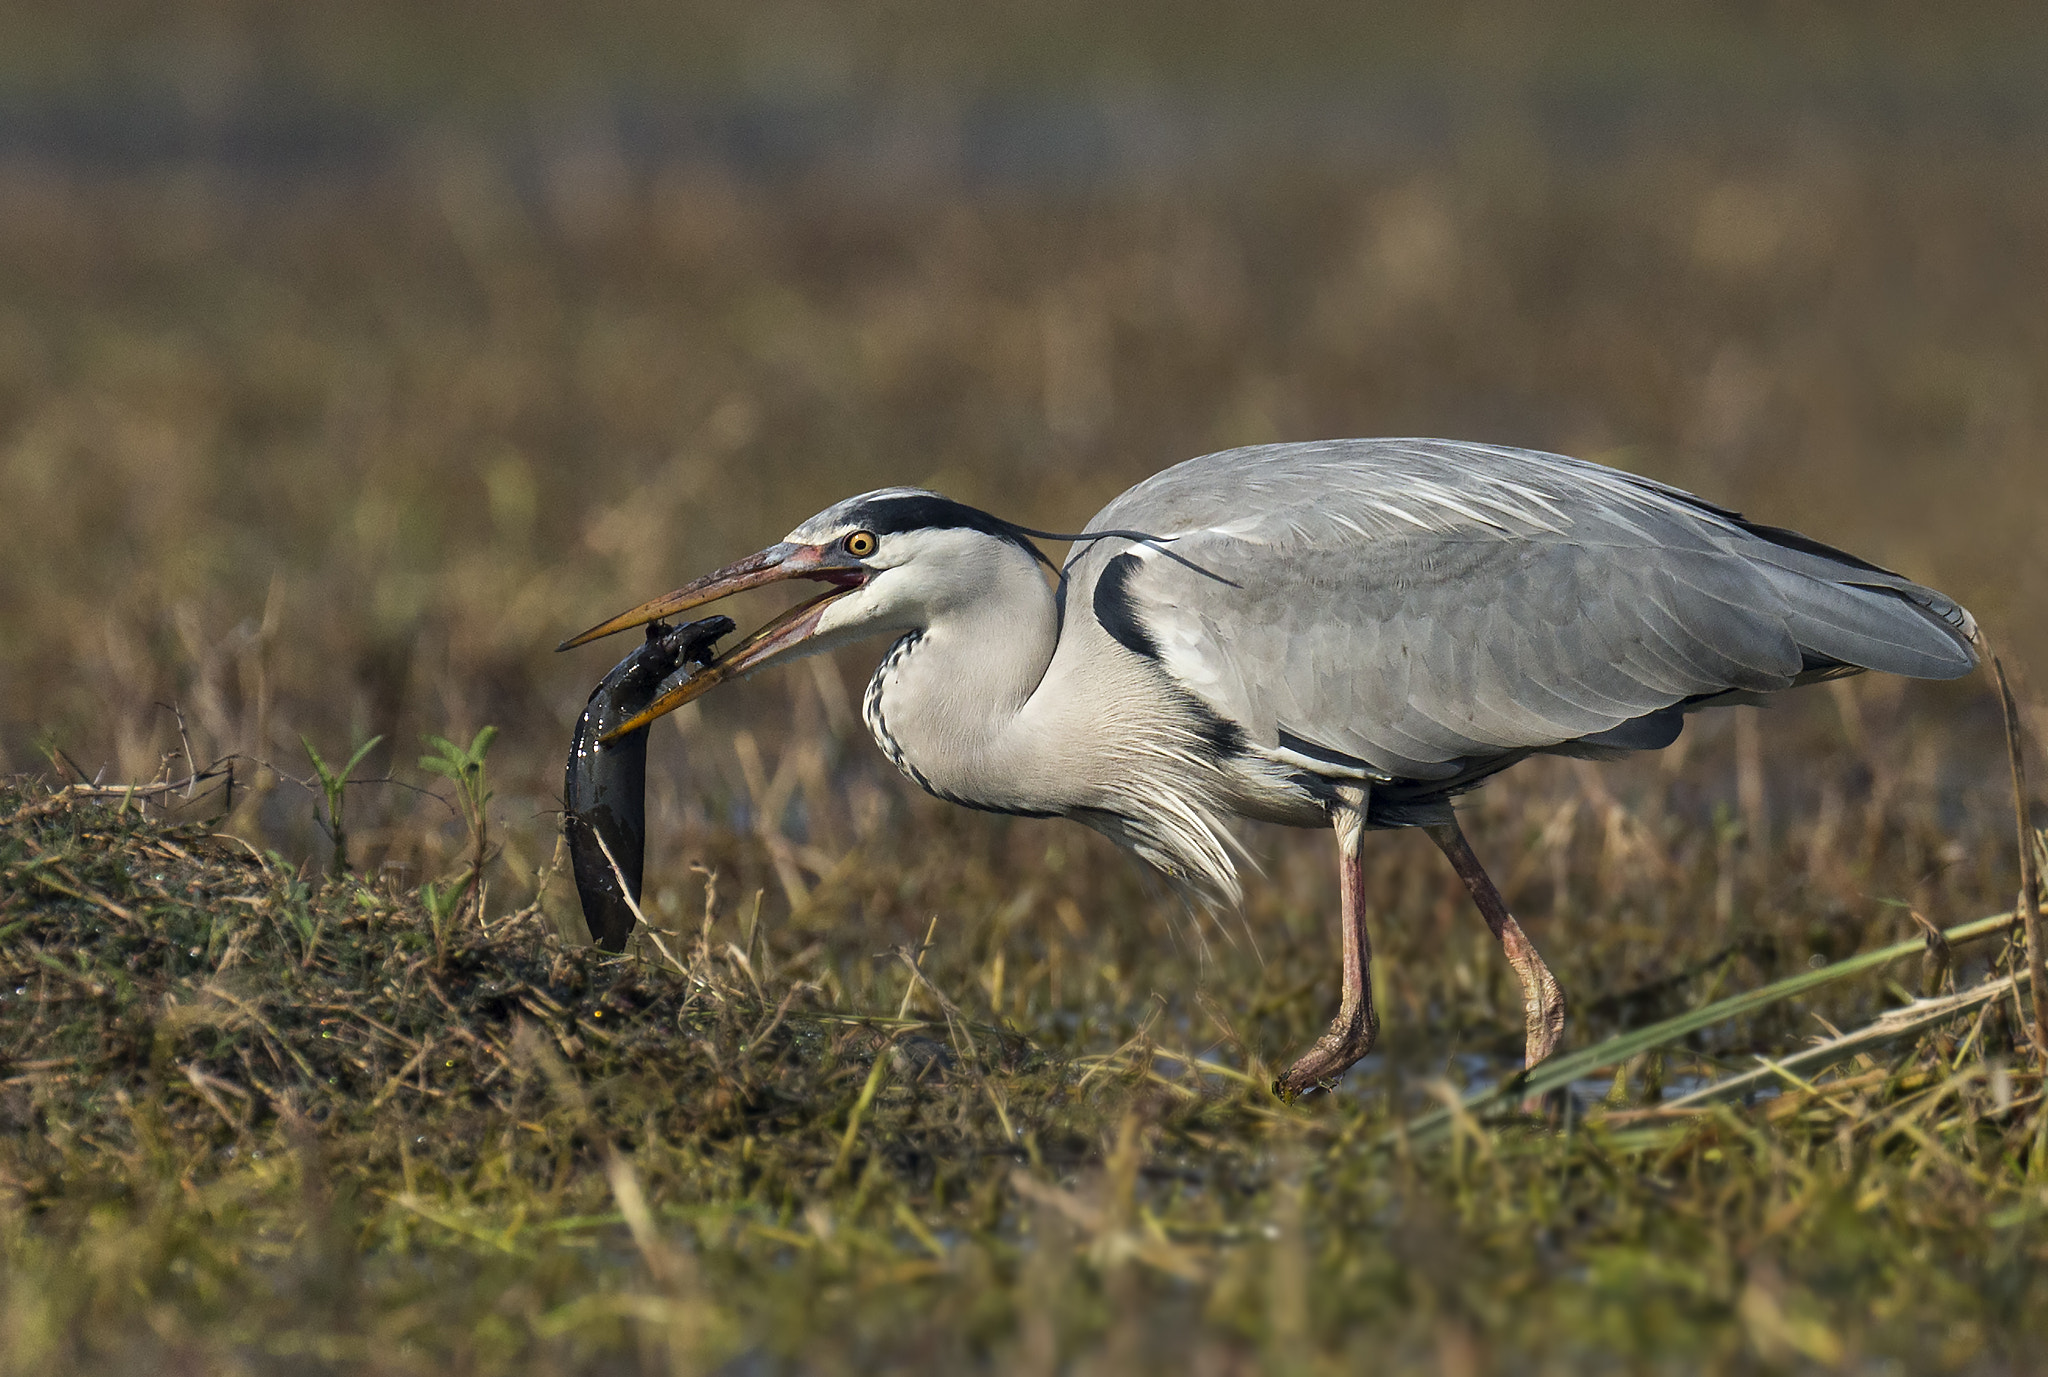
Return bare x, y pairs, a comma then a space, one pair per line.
1422, 605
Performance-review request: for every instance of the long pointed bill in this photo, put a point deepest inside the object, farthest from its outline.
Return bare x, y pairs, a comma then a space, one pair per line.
790, 629
772, 565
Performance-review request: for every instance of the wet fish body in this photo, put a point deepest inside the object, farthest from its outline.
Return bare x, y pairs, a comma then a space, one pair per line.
605, 792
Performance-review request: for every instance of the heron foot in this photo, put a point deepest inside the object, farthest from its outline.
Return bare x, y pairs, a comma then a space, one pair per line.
1356, 1027
1350, 1036
1542, 998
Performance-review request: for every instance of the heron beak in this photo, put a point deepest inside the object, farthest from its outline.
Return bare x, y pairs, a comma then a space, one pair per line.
787, 631
772, 565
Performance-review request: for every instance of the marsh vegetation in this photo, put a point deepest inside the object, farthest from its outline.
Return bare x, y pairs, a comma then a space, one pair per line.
331, 449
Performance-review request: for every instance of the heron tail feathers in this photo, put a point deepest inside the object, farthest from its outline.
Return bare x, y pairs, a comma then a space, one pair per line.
1889, 625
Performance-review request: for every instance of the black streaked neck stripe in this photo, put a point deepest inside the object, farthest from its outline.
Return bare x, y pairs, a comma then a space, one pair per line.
878, 727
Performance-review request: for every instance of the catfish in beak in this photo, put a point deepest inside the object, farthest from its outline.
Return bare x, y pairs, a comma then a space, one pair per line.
604, 794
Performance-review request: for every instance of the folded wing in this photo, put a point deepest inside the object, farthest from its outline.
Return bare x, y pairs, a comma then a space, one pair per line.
1422, 605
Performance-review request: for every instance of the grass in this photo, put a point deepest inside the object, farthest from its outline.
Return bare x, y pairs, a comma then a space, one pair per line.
314, 1069
258, 1116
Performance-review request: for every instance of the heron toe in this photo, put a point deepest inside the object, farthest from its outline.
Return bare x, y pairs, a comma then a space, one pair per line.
1351, 1035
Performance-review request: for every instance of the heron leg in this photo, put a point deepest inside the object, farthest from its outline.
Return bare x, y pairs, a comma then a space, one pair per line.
1542, 1000
1353, 1031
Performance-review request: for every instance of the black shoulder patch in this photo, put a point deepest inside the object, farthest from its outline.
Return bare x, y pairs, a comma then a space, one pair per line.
1115, 610
1223, 737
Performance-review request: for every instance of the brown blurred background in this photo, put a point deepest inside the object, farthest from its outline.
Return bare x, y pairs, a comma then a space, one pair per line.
352, 355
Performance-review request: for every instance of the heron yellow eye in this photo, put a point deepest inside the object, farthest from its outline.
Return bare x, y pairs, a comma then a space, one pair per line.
860, 544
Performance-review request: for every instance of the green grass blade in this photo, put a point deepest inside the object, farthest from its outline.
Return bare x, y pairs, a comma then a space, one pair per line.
1887, 1027
1561, 1071
327, 776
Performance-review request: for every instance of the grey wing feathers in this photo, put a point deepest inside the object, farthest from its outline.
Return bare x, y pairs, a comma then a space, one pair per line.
1420, 605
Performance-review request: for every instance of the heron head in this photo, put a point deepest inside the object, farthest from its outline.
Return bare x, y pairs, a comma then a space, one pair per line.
891, 560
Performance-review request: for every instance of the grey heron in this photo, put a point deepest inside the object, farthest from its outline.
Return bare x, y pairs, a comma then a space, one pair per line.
1343, 634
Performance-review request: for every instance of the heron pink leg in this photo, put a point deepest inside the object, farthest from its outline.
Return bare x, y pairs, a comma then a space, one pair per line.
1353, 1031
1542, 1000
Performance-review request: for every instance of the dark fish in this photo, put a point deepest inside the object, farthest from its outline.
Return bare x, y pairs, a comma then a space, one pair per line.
605, 795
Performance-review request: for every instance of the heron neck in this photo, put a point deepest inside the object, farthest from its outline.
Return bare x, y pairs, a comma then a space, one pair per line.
949, 703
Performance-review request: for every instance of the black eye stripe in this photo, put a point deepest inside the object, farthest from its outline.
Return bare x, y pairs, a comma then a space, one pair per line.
924, 511
914, 510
